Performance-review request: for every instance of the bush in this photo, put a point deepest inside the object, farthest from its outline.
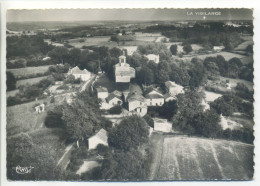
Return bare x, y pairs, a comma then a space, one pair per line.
115, 110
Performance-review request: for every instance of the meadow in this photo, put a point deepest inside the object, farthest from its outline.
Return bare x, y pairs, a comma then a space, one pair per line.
190, 158
226, 55
29, 81
21, 72
23, 118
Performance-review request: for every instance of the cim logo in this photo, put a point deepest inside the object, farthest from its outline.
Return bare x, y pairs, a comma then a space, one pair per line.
23, 170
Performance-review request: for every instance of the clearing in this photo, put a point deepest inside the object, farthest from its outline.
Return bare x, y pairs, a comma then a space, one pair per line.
192, 158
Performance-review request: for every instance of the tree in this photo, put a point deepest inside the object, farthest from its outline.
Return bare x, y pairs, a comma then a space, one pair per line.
74, 57
187, 48
196, 72
82, 118
207, 123
21, 151
121, 165
59, 54
179, 75
228, 46
54, 117
174, 49
10, 81
162, 74
115, 52
129, 134
145, 76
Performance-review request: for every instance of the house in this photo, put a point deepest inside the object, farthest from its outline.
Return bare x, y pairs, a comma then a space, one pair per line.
218, 48
113, 99
174, 89
136, 103
99, 138
154, 98
168, 97
153, 57
123, 71
102, 92
84, 75
162, 125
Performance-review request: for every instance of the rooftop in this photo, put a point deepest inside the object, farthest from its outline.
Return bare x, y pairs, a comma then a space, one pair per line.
76, 70
101, 134
102, 89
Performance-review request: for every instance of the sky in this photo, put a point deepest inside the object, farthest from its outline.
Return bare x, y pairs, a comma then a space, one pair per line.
126, 14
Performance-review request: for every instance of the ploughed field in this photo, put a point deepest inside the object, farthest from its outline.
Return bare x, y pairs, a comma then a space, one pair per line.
191, 158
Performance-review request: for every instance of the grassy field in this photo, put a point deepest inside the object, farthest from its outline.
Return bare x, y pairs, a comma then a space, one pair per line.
226, 55
190, 158
29, 81
11, 93
243, 45
52, 140
28, 70
23, 118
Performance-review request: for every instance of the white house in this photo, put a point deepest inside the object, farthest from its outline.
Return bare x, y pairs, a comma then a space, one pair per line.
102, 92
99, 138
84, 75
123, 71
154, 98
173, 88
136, 103
153, 57
162, 125
113, 99
218, 48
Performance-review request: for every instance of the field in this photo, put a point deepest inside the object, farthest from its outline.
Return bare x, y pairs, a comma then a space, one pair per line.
90, 41
29, 81
20, 72
226, 55
52, 140
23, 118
233, 82
190, 158
243, 45
11, 93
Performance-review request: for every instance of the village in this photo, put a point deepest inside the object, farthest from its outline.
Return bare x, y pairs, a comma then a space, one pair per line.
129, 92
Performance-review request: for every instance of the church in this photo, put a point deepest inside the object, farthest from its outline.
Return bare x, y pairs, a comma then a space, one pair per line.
123, 71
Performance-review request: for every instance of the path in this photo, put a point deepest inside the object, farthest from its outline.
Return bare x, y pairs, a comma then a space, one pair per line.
87, 84
64, 160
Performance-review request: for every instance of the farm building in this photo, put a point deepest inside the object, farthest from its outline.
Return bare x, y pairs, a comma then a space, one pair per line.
99, 138
84, 75
136, 103
173, 88
46, 58
123, 71
162, 125
153, 57
218, 48
154, 98
102, 92
113, 99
